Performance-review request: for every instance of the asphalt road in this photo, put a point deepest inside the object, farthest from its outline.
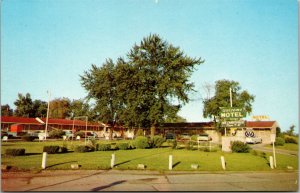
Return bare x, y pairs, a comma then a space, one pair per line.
113, 180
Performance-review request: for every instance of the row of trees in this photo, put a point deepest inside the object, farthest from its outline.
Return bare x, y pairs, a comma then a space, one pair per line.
60, 108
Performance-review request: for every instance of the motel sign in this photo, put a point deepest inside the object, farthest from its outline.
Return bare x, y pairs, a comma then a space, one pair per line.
231, 117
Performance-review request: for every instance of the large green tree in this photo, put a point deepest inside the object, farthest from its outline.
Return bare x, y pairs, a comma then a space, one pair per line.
24, 106
60, 108
6, 110
39, 108
145, 89
241, 99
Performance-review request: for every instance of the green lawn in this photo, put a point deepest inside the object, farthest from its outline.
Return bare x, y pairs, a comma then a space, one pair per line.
154, 159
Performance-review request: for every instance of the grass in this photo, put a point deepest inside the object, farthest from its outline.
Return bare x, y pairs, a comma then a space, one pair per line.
154, 159
286, 146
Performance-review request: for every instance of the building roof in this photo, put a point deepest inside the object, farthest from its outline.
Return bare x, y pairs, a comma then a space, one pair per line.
260, 124
33, 121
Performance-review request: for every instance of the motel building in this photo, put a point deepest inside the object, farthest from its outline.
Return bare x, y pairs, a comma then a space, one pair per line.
257, 128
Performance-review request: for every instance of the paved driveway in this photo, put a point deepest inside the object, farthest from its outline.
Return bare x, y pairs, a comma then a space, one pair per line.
112, 180
261, 147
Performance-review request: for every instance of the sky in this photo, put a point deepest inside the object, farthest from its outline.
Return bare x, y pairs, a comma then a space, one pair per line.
48, 44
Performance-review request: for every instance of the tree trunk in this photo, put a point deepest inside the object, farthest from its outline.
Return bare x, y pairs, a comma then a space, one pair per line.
152, 130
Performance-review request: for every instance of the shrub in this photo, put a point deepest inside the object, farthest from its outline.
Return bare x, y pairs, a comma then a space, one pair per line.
141, 142
80, 133
15, 152
103, 147
239, 147
290, 140
27, 138
279, 141
56, 133
122, 146
157, 141
173, 143
82, 148
51, 149
194, 137
190, 145
92, 144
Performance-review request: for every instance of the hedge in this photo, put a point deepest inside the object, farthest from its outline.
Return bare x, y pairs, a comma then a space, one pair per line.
27, 138
52, 149
83, 149
122, 146
103, 147
290, 140
15, 152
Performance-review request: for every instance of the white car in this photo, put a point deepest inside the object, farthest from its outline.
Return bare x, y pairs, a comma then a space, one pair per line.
253, 140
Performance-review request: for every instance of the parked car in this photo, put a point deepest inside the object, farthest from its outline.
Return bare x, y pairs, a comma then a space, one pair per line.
185, 136
203, 137
253, 140
170, 136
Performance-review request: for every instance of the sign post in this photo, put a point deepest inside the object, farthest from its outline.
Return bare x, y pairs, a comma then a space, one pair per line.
273, 137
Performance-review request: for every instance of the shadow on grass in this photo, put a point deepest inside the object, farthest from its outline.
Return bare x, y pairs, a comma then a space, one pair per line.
107, 186
174, 165
60, 164
28, 154
140, 158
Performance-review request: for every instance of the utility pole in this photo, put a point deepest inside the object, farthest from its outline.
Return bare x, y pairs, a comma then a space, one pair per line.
47, 114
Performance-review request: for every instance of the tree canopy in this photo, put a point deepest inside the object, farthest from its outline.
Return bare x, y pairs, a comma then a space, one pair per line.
144, 89
6, 110
241, 99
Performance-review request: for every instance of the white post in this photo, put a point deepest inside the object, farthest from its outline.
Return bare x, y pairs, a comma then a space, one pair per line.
271, 162
112, 162
223, 162
44, 160
47, 115
274, 155
170, 162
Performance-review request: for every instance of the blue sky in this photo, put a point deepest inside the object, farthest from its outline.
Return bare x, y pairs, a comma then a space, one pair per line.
47, 44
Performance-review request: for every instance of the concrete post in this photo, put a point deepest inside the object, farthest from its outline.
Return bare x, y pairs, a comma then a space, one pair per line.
271, 162
170, 162
112, 162
44, 160
223, 162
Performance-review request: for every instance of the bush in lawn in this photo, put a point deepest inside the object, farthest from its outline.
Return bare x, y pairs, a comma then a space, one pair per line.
82, 148
239, 147
194, 137
290, 140
173, 143
52, 149
122, 146
279, 141
64, 148
27, 138
15, 152
103, 147
190, 145
80, 133
93, 144
56, 133
157, 141
141, 142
